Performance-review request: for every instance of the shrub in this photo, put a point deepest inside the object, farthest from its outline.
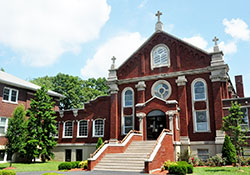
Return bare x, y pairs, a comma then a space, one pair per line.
243, 161
177, 169
99, 142
228, 151
7, 172
50, 174
216, 160
201, 163
190, 168
248, 161
65, 166
75, 164
168, 163
184, 156
84, 164
194, 161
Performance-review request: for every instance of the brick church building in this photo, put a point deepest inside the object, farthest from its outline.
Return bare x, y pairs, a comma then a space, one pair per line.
168, 93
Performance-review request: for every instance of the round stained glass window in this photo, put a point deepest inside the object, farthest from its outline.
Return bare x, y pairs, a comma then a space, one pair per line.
161, 89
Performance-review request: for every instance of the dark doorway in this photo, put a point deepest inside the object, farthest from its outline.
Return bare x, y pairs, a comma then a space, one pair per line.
68, 155
79, 155
156, 122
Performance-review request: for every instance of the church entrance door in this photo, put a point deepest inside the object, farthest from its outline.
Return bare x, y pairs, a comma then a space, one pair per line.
156, 122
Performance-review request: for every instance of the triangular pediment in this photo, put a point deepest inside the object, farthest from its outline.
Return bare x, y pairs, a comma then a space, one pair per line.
158, 100
183, 56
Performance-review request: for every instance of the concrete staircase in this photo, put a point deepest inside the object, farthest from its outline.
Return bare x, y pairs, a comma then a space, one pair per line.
131, 160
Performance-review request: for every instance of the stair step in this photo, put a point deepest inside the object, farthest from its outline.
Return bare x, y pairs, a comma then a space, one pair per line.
121, 170
120, 166
140, 163
125, 159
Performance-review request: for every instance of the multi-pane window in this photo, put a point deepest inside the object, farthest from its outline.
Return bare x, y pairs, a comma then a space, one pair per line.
68, 129
57, 130
201, 121
83, 128
3, 125
128, 124
245, 121
203, 154
128, 98
160, 56
199, 91
99, 128
10, 95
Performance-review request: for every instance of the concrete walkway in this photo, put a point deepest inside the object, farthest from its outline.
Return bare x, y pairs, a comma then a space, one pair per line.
81, 173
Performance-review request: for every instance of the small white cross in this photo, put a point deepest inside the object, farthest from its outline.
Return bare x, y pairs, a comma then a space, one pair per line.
215, 40
158, 14
113, 59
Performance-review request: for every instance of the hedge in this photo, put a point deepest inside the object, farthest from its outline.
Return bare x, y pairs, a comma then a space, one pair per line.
190, 168
177, 169
7, 172
65, 166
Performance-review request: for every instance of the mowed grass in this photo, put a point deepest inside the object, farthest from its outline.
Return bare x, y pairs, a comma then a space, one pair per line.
39, 166
221, 171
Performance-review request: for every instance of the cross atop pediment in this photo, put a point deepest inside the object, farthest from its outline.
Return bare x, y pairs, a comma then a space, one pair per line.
158, 14
215, 40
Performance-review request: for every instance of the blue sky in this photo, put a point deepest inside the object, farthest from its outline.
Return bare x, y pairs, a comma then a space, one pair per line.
45, 37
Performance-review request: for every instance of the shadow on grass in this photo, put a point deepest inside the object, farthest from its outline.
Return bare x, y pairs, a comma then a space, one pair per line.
217, 170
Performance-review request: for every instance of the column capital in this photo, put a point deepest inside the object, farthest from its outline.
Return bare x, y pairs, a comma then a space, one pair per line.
140, 86
181, 80
219, 74
113, 88
171, 113
140, 115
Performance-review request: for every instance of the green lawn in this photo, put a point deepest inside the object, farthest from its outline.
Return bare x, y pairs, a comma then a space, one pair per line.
48, 166
221, 171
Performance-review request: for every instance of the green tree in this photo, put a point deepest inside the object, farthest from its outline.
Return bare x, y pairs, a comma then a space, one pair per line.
41, 127
99, 142
16, 132
76, 90
228, 151
232, 125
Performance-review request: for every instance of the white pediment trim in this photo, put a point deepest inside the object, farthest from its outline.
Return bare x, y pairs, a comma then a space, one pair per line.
158, 98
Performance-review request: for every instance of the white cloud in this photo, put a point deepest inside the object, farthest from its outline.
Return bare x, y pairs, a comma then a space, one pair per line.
121, 47
237, 28
228, 48
42, 30
143, 3
197, 41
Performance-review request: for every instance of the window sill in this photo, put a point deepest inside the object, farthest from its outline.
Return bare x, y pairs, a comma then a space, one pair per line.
159, 66
82, 137
99, 136
11, 102
202, 131
67, 137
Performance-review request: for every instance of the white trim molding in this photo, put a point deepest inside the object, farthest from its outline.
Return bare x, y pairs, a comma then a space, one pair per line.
161, 82
78, 128
64, 129
167, 50
94, 135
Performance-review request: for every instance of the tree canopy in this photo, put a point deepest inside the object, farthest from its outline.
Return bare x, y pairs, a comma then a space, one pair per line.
16, 132
76, 90
41, 126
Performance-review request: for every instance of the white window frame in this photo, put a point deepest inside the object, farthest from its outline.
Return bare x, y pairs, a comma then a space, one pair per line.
123, 97
124, 123
152, 57
207, 105
205, 89
94, 127
78, 129
245, 115
64, 129
208, 128
5, 127
9, 98
161, 82
56, 136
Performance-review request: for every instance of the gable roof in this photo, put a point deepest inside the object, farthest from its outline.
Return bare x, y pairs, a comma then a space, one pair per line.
172, 36
158, 98
17, 82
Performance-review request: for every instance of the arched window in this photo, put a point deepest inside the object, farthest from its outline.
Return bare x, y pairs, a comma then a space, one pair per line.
128, 99
82, 128
68, 129
161, 89
98, 128
160, 56
199, 90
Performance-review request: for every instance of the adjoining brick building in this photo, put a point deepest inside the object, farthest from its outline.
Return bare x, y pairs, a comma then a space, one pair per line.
13, 92
166, 83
